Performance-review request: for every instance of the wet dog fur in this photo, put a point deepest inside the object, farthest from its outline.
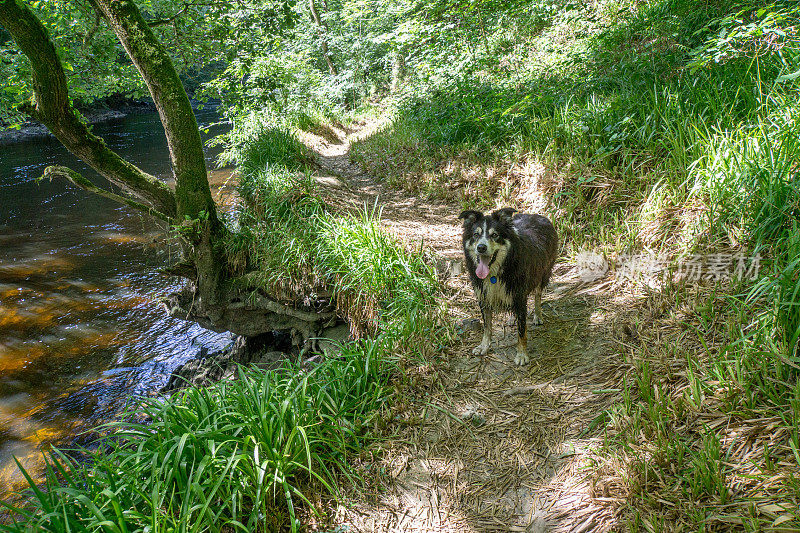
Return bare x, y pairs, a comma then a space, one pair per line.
508, 256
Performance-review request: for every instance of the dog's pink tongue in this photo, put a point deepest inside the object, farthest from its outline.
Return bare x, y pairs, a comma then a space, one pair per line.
483, 268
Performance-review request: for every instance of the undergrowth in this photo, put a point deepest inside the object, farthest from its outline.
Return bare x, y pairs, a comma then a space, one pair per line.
295, 247
260, 453
243, 455
616, 124
665, 127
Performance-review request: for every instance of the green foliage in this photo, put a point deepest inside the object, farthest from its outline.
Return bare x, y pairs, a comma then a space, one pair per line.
237, 456
752, 31
283, 83
200, 37
89, 55
288, 75
261, 142
295, 246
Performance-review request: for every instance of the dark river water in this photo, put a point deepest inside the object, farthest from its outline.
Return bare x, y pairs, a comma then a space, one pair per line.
81, 329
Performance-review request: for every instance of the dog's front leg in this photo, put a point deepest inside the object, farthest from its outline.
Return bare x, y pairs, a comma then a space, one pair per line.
521, 311
483, 347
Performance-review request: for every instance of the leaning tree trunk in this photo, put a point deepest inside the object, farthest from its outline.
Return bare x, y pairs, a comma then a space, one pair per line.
211, 299
195, 206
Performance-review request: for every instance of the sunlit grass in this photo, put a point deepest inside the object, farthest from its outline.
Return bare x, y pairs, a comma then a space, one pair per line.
295, 246
243, 455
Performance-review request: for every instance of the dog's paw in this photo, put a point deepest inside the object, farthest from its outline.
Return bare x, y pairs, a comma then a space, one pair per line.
521, 359
480, 349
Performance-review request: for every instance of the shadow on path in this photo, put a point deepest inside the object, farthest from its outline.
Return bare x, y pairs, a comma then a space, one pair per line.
485, 445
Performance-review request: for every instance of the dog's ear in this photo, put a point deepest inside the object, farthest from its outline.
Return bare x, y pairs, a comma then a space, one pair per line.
470, 217
504, 215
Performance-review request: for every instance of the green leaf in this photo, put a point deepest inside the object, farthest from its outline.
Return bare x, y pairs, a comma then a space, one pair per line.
789, 77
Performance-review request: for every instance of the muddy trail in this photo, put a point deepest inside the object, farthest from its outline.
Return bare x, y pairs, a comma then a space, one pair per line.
485, 445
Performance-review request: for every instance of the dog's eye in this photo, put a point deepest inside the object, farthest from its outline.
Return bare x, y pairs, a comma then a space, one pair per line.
495, 237
476, 234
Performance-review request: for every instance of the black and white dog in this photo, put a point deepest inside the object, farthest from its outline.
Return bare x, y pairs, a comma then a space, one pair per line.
508, 256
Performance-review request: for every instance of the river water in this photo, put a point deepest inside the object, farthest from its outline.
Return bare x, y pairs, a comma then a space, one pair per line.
81, 329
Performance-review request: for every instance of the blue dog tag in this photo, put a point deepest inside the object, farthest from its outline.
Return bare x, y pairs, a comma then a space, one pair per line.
493, 279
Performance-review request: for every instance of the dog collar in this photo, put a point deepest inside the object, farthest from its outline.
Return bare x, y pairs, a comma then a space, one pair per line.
493, 279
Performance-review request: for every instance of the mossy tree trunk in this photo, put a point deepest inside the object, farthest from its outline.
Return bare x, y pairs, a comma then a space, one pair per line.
211, 299
194, 204
150, 57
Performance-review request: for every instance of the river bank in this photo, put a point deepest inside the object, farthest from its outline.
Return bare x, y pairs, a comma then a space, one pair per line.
32, 130
267, 352
81, 329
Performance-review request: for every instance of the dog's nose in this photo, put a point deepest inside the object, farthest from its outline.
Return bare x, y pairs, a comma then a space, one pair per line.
481, 248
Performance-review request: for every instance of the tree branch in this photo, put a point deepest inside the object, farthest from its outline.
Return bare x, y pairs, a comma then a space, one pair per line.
93, 30
51, 106
192, 193
323, 29
169, 20
79, 181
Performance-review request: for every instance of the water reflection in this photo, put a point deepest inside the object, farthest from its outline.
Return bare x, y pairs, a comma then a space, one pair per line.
81, 329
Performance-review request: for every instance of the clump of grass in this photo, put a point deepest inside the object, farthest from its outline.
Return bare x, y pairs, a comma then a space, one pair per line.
261, 141
378, 281
241, 455
295, 247
705, 433
279, 233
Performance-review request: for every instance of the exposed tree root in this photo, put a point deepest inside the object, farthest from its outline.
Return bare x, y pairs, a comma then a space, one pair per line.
251, 314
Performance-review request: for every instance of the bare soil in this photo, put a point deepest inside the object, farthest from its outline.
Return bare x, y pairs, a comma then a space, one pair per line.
480, 444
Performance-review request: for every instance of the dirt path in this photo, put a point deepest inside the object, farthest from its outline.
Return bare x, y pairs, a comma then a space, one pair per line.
486, 445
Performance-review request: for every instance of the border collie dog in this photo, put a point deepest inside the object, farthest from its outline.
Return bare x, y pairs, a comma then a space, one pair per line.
508, 256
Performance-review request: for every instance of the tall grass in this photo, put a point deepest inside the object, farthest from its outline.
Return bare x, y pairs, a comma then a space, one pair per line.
260, 141
238, 456
624, 116
380, 283
296, 246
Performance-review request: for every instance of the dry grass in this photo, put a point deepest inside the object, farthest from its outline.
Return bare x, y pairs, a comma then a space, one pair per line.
676, 455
